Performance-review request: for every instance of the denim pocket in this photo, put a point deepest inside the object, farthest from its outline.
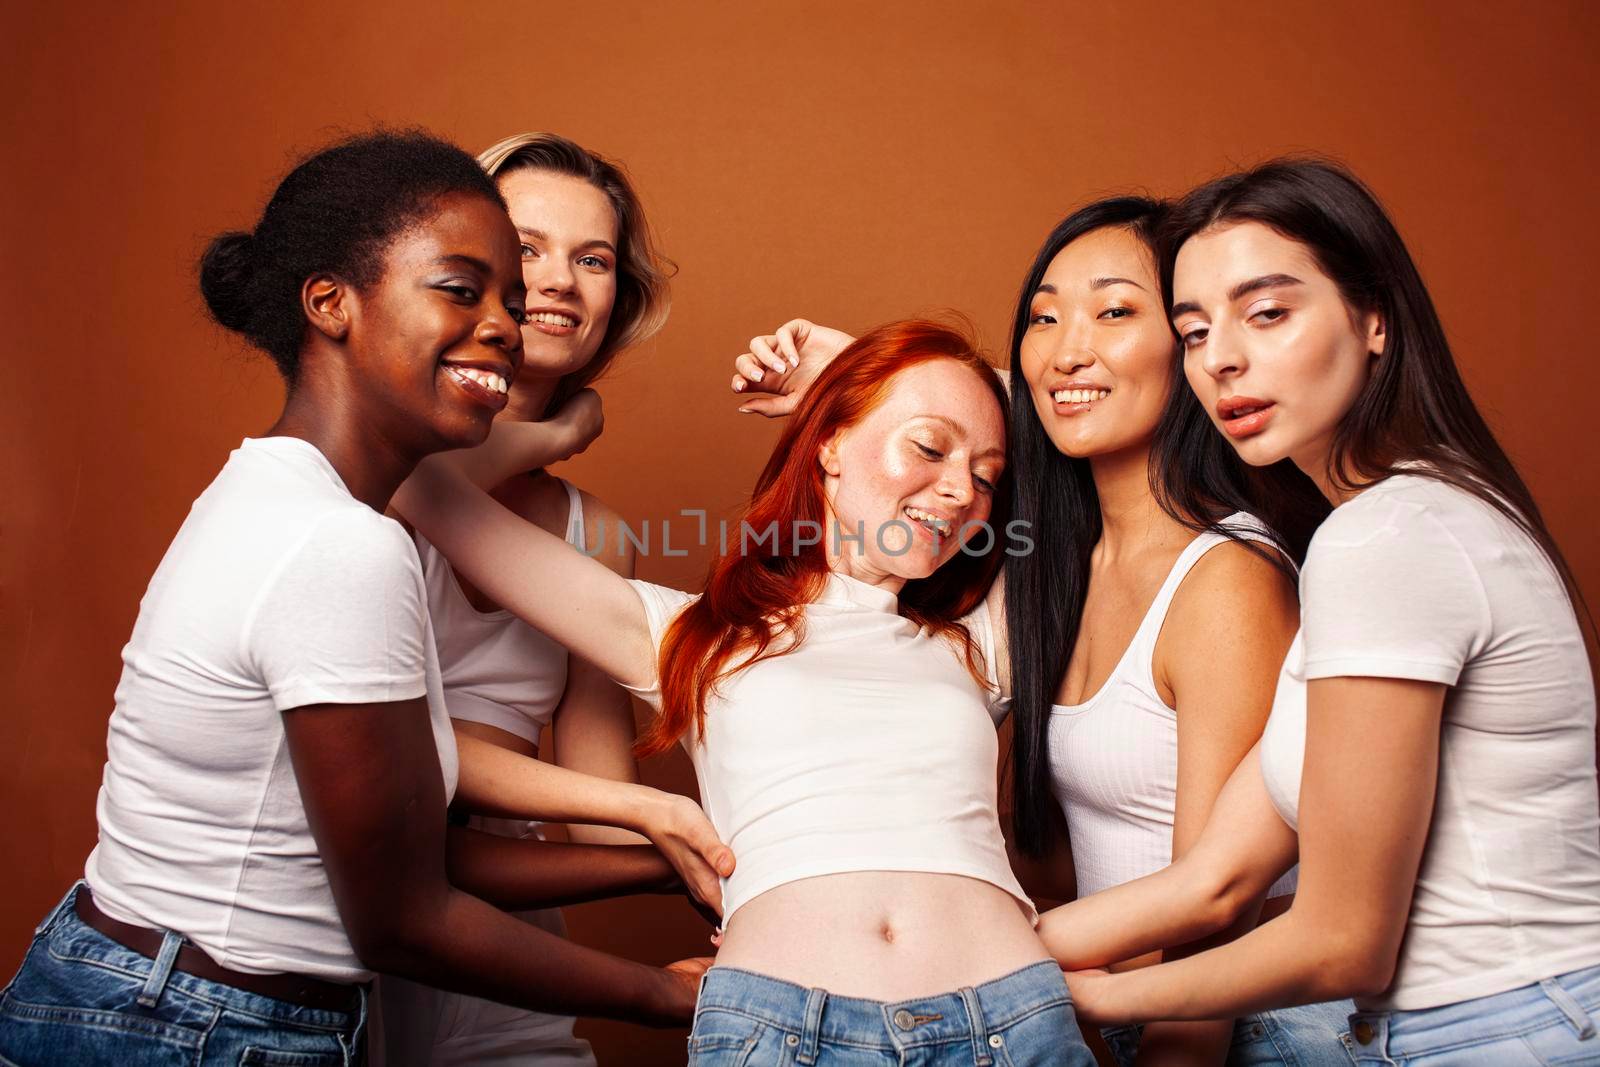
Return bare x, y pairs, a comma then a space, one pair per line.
722, 1037
50, 1033
1047, 1038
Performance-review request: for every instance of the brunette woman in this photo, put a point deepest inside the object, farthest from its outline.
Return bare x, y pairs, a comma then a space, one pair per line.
1432, 735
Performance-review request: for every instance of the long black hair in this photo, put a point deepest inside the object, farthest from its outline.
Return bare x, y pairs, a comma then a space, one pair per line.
1414, 410
1195, 476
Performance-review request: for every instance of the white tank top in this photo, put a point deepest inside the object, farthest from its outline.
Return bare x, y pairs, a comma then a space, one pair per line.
1114, 758
497, 669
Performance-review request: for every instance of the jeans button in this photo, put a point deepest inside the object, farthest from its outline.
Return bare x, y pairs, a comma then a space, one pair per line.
792, 1040
904, 1020
1363, 1032
995, 1040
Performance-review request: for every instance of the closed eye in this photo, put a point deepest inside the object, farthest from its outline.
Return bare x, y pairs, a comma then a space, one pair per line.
928, 452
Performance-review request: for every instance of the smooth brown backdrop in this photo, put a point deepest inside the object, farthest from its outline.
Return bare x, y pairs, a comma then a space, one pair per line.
854, 162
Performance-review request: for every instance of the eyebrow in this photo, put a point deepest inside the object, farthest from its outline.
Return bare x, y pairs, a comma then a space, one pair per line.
1106, 283
956, 427
1266, 281
1095, 285
463, 259
540, 235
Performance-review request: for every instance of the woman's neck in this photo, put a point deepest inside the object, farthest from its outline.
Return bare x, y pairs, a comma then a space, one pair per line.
1130, 517
371, 458
529, 397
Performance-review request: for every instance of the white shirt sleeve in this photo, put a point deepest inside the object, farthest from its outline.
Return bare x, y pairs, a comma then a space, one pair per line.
661, 605
1389, 592
344, 620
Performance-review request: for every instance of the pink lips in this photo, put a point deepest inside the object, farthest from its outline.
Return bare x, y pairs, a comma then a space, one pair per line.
1244, 415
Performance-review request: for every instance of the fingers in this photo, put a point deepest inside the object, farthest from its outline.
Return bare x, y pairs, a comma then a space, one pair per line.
748, 373
771, 406
790, 336
762, 348
707, 888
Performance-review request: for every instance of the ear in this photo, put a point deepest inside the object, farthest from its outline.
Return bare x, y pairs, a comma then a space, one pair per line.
1377, 339
828, 455
327, 302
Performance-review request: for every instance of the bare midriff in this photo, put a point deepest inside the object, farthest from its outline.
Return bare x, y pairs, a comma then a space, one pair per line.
883, 935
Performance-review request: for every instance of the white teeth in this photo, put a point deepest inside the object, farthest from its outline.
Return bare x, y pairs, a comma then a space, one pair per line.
551, 318
488, 379
928, 518
1079, 396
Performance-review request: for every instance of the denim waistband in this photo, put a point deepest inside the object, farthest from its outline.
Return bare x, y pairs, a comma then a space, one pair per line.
73, 941
965, 1014
1574, 997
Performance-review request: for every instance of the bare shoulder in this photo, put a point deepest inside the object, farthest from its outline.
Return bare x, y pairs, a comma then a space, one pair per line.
602, 527
1235, 590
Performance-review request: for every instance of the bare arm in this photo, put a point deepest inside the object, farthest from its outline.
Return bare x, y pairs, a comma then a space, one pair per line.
1366, 802
497, 781
578, 601
1221, 646
592, 731
1242, 850
370, 780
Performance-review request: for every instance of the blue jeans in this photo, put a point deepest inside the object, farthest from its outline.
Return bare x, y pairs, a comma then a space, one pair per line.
1312, 1035
1548, 1022
1022, 1020
82, 999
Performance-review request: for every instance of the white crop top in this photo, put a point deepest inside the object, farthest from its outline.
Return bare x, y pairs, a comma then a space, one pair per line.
1417, 579
1114, 758
868, 748
498, 670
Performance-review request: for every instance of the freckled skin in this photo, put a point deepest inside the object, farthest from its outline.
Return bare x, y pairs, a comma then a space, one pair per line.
873, 470
1301, 347
1116, 337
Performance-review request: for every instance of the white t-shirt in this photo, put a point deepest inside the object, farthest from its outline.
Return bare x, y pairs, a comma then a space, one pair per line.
870, 747
280, 590
1416, 579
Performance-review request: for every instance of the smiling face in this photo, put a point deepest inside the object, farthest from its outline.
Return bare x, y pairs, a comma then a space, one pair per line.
567, 229
1271, 348
1097, 352
436, 340
918, 467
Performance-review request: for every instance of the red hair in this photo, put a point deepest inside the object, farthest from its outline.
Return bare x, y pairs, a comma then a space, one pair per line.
751, 599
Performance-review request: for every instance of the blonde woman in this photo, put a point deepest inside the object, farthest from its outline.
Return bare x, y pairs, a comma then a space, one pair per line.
596, 286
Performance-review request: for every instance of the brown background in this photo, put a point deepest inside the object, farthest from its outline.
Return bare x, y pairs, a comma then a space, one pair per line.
854, 162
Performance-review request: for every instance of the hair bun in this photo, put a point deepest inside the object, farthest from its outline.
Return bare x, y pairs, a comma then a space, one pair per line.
226, 271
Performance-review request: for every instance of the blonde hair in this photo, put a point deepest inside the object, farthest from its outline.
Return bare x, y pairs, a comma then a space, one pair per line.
643, 294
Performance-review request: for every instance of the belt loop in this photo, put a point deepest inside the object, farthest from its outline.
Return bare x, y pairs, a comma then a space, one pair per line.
980, 1033
65, 903
161, 970
1569, 1007
811, 1032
